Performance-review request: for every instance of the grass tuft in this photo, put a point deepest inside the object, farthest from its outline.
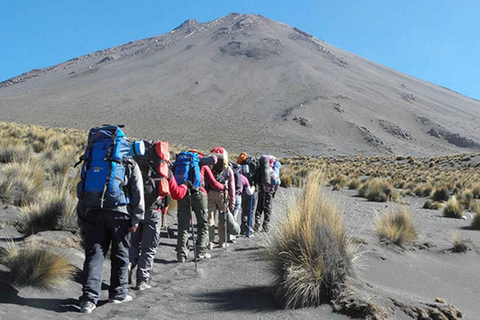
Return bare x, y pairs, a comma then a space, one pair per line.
396, 227
36, 267
459, 245
310, 252
453, 209
52, 211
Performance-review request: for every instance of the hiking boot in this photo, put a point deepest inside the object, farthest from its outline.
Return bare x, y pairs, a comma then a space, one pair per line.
223, 245
142, 285
87, 306
181, 259
118, 301
210, 246
204, 255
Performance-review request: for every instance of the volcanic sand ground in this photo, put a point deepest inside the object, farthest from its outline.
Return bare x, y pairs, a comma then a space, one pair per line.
232, 284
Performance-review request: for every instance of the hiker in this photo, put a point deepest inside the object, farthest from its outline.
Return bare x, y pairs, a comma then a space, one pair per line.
108, 211
249, 168
269, 182
245, 190
219, 199
191, 195
153, 163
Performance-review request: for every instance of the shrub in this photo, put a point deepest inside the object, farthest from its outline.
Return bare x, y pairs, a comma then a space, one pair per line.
459, 245
378, 190
452, 209
429, 204
36, 267
22, 182
338, 181
440, 193
55, 210
354, 183
396, 227
310, 252
476, 221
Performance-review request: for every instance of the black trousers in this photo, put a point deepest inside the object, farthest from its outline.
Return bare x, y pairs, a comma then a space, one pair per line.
264, 206
105, 228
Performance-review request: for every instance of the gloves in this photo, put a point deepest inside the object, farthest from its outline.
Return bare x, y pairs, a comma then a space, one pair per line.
170, 174
188, 183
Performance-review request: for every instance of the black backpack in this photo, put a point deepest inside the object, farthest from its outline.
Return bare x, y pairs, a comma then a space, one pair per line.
250, 168
154, 167
238, 177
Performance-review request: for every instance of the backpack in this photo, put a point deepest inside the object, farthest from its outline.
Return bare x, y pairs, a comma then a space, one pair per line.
222, 159
237, 175
187, 167
102, 183
269, 170
250, 168
154, 167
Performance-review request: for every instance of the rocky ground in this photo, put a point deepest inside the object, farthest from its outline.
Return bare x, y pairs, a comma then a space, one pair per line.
234, 282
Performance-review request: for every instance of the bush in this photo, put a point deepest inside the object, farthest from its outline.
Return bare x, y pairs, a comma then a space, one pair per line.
440, 193
453, 209
476, 221
338, 181
396, 227
310, 252
22, 182
459, 245
378, 190
55, 210
36, 267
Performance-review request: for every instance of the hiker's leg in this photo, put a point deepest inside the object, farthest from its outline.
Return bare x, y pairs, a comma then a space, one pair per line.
184, 215
260, 209
267, 210
238, 204
212, 208
245, 212
136, 240
150, 239
118, 225
199, 204
96, 247
221, 217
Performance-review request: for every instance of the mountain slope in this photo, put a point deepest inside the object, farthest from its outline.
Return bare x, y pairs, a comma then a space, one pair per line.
247, 83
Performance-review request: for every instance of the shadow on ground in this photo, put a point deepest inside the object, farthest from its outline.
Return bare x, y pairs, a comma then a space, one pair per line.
253, 299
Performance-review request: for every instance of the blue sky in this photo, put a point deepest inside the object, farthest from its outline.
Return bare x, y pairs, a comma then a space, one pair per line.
434, 40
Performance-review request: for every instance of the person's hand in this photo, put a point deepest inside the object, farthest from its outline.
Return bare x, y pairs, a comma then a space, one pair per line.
170, 174
188, 183
133, 228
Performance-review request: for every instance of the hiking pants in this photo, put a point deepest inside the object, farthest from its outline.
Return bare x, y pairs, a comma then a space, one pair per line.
248, 208
216, 202
264, 205
102, 229
197, 202
144, 243
236, 210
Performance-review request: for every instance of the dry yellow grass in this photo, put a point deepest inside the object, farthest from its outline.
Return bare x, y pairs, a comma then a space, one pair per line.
36, 267
396, 227
452, 209
311, 252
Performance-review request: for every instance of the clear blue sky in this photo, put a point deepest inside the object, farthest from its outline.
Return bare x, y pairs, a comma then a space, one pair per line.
434, 40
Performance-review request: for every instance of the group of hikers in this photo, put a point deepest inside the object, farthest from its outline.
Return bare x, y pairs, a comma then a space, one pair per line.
123, 197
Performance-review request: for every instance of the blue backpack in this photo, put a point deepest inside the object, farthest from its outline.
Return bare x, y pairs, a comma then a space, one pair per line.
187, 167
105, 159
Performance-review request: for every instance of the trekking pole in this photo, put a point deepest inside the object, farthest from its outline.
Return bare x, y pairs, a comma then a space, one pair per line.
193, 232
